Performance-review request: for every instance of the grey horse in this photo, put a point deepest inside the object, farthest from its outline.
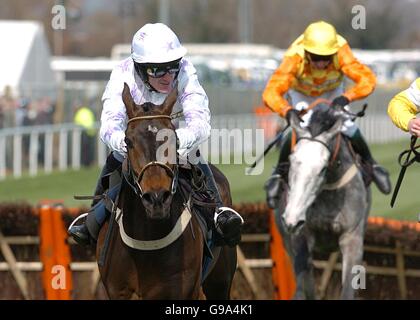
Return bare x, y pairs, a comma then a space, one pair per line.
327, 201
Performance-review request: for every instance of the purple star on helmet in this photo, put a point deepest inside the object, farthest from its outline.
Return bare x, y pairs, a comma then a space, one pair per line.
170, 46
141, 36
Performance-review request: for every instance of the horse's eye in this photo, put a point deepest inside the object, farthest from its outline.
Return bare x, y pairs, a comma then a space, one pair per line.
128, 142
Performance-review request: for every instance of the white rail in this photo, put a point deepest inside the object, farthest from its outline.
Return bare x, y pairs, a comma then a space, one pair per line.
58, 146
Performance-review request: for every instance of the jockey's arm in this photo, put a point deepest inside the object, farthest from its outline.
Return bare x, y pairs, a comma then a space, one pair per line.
279, 83
363, 76
404, 107
114, 116
195, 107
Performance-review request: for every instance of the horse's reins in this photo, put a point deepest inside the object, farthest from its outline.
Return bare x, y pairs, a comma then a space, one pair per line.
405, 164
333, 154
137, 178
338, 141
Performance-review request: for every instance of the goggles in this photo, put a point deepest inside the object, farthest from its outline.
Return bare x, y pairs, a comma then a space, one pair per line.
159, 70
316, 57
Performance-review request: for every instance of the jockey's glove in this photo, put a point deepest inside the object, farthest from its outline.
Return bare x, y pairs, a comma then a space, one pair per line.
117, 142
290, 113
186, 138
340, 101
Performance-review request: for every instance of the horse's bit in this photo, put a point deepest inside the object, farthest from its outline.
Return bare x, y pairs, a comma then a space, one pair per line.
137, 178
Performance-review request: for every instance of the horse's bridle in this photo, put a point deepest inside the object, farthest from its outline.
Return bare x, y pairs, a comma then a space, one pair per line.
333, 154
137, 178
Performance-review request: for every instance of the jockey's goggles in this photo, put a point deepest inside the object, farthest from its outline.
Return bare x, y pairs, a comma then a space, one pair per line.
159, 70
317, 57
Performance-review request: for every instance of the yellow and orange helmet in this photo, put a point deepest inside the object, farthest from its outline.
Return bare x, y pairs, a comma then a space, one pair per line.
320, 38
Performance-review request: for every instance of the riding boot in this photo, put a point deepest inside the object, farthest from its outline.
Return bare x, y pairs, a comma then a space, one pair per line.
87, 232
228, 222
380, 174
276, 184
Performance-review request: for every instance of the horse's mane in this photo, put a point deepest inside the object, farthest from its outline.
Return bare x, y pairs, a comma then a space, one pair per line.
322, 119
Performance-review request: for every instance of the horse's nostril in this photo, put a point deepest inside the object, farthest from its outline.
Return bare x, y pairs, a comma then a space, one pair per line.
298, 226
148, 198
164, 196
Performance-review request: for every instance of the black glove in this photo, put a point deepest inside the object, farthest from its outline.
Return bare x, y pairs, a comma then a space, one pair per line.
341, 101
290, 113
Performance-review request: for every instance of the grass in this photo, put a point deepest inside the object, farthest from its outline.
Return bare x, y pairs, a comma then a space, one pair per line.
245, 188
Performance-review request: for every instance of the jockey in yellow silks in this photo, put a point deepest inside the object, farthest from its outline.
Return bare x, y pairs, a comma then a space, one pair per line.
314, 67
404, 107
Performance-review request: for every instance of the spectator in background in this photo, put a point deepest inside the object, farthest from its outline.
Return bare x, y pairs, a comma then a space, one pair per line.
85, 118
45, 111
8, 106
44, 116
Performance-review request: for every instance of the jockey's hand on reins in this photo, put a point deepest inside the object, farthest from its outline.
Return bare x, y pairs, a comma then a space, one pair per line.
350, 115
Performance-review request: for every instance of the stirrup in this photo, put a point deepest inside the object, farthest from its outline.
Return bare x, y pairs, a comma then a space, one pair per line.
77, 219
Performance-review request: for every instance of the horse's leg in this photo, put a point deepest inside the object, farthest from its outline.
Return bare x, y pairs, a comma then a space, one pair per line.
302, 264
351, 245
219, 281
118, 274
309, 275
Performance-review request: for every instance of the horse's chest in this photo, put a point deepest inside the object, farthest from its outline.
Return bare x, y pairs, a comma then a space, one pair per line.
324, 216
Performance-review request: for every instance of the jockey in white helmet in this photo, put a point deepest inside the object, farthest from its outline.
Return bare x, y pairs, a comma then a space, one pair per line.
156, 64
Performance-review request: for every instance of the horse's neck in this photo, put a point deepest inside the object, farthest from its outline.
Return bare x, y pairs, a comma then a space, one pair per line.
137, 223
341, 163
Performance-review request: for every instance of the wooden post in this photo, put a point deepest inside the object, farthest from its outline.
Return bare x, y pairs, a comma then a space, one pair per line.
248, 274
400, 270
326, 275
16, 272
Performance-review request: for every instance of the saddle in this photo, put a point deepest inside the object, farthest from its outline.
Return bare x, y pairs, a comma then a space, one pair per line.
364, 167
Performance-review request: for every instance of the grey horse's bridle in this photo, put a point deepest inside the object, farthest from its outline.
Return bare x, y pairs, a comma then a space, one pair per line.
333, 154
137, 178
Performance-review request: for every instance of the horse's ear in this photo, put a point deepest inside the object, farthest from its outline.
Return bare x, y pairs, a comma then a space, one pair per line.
295, 124
169, 102
335, 129
128, 101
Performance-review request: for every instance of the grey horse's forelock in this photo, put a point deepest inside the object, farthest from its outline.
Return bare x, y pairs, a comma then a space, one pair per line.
322, 119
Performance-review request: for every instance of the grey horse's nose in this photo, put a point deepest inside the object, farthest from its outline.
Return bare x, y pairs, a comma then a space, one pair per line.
295, 228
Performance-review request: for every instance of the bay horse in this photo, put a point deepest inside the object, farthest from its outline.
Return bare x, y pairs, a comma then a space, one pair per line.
327, 202
156, 248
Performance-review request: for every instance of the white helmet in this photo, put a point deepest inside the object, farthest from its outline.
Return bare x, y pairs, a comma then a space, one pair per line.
156, 43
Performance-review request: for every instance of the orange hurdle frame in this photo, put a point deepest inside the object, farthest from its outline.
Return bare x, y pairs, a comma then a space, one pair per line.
54, 251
